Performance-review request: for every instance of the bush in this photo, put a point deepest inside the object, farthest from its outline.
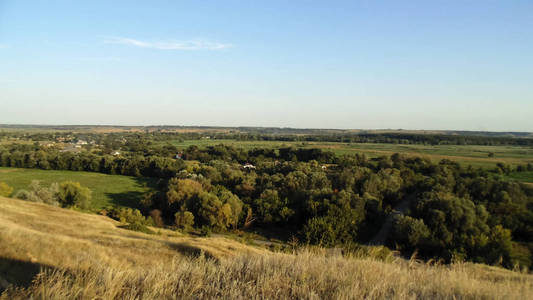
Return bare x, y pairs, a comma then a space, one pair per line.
410, 233
5, 190
46, 195
205, 231
38, 193
133, 218
320, 231
73, 194
184, 220
130, 215
26, 195
155, 214
139, 227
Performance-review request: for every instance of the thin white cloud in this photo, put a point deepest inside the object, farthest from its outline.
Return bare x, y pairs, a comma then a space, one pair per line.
170, 44
100, 58
3, 46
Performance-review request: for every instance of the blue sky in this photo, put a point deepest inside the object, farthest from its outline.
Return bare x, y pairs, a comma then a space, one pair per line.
464, 65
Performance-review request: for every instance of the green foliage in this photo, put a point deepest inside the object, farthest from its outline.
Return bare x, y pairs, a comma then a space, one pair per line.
219, 209
133, 218
73, 194
138, 227
5, 190
410, 233
205, 231
184, 220
130, 215
320, 231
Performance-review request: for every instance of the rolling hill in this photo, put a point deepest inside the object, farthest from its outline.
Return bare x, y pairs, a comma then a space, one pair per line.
55, 253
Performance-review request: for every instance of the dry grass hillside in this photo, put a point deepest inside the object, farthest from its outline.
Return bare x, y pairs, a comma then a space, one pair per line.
54, 253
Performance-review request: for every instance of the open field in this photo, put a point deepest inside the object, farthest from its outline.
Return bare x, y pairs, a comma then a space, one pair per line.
522, 176
82, 256
476, 156
106, 189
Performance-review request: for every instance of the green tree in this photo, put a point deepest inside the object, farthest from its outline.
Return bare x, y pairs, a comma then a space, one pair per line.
73, 194
410, 233
184, 220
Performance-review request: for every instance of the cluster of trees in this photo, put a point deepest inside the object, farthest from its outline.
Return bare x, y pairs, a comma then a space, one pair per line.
35, 156
452, 213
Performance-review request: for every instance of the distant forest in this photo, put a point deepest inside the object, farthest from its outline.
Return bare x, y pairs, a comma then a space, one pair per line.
33, 132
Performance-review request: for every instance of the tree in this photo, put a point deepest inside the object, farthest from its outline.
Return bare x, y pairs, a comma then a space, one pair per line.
5, 190
184, 219
182, 193
232, 208
73, 194
410, 233
209, 211
458, 226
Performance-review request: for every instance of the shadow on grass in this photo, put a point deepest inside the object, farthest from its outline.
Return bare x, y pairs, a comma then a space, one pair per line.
18, 273
191, 251
133, 199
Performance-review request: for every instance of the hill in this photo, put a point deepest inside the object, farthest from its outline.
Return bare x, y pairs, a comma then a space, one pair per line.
55, 253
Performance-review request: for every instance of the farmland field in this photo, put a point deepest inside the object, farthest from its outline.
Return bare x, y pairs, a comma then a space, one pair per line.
106, 189
475, 155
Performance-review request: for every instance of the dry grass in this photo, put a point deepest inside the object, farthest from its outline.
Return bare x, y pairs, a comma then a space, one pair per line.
90, 258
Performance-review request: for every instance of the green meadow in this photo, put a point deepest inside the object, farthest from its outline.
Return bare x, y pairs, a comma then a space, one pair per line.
106, 189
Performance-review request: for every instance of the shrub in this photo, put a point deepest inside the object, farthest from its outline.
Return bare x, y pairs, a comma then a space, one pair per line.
155, 214
73, 194
44, 194
139, 227
26, 195
205, 231
320, 231
5, 190
184, 220
130, 215
38, 193
134, 219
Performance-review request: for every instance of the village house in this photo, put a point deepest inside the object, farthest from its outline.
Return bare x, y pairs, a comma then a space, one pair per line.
248, 166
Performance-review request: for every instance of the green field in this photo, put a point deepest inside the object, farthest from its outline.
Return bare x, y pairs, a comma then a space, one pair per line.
521, 176
106, 189
477, 156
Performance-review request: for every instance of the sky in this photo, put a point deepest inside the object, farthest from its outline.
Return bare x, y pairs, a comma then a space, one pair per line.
448, 65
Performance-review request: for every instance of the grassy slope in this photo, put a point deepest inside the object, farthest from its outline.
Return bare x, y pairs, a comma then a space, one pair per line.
86, 256
476, 156
106, 189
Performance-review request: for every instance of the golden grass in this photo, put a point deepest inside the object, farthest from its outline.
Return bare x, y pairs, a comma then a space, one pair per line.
90, 258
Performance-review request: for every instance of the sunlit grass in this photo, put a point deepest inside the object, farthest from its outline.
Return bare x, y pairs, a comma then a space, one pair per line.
86, 256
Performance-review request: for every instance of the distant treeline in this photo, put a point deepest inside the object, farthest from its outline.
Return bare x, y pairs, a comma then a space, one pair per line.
326, 136
393, 138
